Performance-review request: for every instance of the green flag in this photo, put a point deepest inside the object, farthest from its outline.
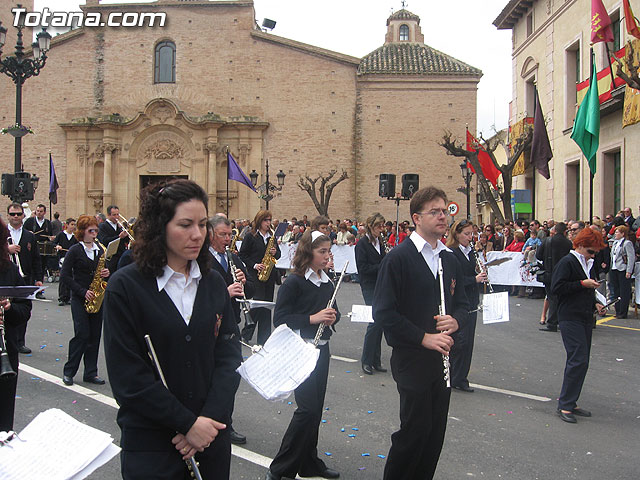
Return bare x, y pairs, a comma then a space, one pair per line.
586, 127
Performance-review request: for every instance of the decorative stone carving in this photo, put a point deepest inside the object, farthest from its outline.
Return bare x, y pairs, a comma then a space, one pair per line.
164, 156
210, 147
82, 151
126, 147
162, 112
96, 197
549, 2
99, 151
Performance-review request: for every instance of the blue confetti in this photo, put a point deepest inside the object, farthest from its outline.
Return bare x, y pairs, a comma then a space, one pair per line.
29, 355
362, 468
381, 456
35, 378
352, 435
348, 371
59, 333
324, 421
328, 454
366, 454
62, 346
370, 411
354, 429
342, 429
46, 329
42, 346
57, 359
289, 403
327, 408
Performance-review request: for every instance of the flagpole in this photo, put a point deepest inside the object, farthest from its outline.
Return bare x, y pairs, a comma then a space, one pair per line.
590, 172
227, 182
533, 193
613, 84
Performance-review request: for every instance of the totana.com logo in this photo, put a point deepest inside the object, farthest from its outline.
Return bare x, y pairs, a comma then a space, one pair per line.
47, 18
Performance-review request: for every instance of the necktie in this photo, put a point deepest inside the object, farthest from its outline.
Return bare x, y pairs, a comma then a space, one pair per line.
223, 262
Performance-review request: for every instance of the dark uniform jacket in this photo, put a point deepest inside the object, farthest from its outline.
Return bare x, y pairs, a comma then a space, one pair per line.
550, 252
252, 252
198, 360
368, 262
575, 302
407, 297
44, 232
106, 235
62, 240
249, 288
29, 258
469, 271
78, 271
18, 314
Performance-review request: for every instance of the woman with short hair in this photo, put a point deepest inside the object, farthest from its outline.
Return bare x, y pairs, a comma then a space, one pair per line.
623, 258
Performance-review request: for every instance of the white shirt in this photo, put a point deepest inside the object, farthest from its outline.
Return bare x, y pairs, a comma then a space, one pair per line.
584, 263
376, 243
430, 255
466, 250
40, 222
69, 235
218, 256
91, 251
182, 291
114, 225
15, 234
265, 238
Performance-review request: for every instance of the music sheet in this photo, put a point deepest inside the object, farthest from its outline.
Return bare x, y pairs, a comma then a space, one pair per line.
112, 248
361, 313
495, 307
281, 365
55, 446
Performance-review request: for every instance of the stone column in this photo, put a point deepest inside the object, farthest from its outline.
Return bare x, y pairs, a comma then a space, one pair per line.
107, 195
212, 187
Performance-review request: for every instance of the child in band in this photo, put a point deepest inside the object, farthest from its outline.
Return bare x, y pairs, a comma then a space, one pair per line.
302, 305
77, 273
407, 300
171, 294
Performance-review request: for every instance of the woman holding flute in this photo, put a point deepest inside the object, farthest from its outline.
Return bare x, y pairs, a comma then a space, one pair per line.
302, 305
171, 294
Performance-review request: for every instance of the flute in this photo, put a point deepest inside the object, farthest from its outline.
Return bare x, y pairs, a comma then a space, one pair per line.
330, 304
192, 465
443, 311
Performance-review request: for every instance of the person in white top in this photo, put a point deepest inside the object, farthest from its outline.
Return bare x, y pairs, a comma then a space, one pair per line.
623, 259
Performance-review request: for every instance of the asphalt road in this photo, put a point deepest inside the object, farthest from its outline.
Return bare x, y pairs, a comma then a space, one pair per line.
509, 431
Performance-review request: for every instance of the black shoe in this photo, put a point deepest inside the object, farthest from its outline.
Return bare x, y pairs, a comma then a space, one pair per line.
24, 349
567, 417
61, 303
464, 388
581, 412
549, 328
95, 380
67, 380
237, 438
368, 369
379, 368
326, 473
619, 315
40, 295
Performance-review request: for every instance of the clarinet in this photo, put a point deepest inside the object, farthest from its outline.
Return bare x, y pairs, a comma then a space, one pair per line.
481, 267
192, 465
330, 304
243, 303
16, 258
6, 370
443, 311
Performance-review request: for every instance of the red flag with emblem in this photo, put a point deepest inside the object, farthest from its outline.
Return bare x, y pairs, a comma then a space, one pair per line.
489, 170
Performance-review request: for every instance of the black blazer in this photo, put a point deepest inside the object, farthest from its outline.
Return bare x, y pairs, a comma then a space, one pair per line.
368, 262
18, 314
407, 297
249, 287
575, 302
469, 271
44, 232
252, 251
29, 258
78, 271
62, 240
552, 250
106, 235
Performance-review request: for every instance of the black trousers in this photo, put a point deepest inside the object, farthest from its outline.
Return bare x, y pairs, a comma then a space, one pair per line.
87, 329
298, 452
576, 336
372, 348
621, 287
462, 351
214, 462
8, 402
64, 292
415, 448
552, 313
260, 317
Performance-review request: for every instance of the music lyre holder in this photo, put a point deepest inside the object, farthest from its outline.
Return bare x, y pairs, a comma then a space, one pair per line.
398, 199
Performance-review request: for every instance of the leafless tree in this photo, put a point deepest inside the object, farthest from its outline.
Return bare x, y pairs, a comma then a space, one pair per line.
522, 143
320, 188
632, 74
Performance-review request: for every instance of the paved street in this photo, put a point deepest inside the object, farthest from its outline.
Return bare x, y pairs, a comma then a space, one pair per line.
507, 429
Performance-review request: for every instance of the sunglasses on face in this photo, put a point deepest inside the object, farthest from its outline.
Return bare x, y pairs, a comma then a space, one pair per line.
15, 214
92, 230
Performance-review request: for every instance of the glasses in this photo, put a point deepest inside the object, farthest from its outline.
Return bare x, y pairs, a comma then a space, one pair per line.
435, 212
15, 214
92, 230
574, 229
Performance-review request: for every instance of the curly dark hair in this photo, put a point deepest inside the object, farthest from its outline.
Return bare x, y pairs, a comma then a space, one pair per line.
158, 203
4, 246
304, 253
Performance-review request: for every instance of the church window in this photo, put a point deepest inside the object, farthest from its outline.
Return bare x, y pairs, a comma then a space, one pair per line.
404, 33
165, 63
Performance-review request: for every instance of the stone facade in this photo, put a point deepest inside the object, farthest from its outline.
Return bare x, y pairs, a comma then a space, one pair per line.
305, 109
551, 41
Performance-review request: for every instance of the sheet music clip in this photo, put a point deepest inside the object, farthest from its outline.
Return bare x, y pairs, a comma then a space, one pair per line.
253, 348
6, 437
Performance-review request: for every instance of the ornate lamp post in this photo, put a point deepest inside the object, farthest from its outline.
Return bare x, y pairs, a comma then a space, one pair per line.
18, 67
466, 176
267, 189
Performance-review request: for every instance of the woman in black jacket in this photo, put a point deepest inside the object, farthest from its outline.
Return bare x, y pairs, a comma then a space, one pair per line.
172, 294
302, 306
16, 312
77, 273
574, 284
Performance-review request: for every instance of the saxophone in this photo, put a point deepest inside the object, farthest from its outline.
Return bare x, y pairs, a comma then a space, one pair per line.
236, 236
268, 260
98, 285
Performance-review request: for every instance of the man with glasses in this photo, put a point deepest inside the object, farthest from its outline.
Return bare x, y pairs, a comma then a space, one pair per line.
23, 250
43, 231
406, 303
219, 231
575, 228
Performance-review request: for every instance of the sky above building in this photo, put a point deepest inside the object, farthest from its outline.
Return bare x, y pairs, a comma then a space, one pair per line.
460, 28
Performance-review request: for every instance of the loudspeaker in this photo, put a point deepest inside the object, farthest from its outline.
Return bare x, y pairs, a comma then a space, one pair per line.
410, 184
387, 187
7, 184
268, 23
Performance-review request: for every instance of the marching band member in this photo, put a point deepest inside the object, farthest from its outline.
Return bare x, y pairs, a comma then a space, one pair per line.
78, 271
63, 242
219, 231
171, 294
16, 313
407, 305
459, 241
369, 254
110, 229
252, 252
23, 249
301, 304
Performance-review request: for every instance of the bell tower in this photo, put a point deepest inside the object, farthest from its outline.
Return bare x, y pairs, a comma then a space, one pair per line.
403, 27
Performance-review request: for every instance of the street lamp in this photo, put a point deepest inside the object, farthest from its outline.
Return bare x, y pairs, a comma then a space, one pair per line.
19, 67
267, 189
466, 177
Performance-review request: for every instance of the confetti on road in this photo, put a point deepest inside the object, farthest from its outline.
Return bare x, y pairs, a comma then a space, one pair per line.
324, 421
510, 411
57, 359
619, 359
354, 429
42, 347
348, 371
46, 329
492, 414
342, 429
289, 403
366, 454
362, 468
328, 454
75, 401
352, 435
370, 411
382, 456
